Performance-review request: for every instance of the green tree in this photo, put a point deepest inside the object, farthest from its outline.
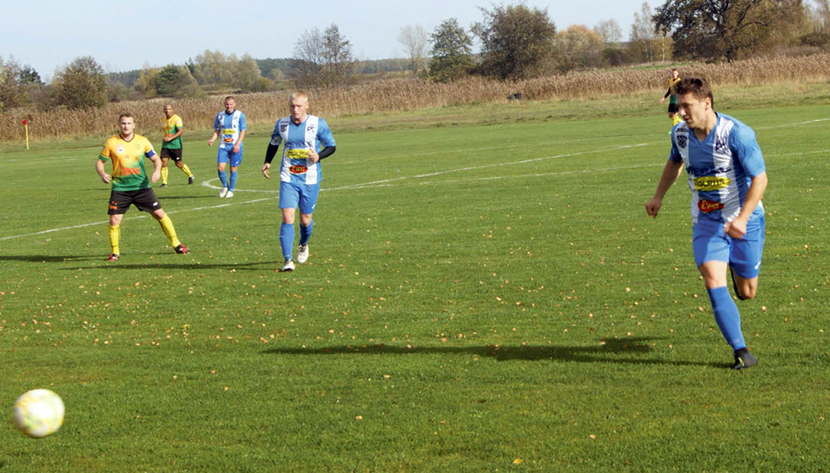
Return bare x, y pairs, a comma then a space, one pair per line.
82, 84
581, 45
516, 41
451, 52
641, 41
176, 81
337, 56
729, 29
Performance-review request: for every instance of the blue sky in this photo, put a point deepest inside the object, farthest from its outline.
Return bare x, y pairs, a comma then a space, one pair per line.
121, 35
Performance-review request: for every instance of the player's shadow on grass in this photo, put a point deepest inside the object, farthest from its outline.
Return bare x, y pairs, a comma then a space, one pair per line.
47, 258
631, 350
123, 266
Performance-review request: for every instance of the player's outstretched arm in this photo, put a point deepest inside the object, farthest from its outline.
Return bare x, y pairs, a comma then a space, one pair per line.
99, 168
670, 174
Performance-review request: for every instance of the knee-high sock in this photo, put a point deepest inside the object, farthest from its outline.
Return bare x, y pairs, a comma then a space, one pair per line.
727, 316
164, 175
167, 228
232, 186
186, 170
115, 236
305, 233
287, 239
223, 176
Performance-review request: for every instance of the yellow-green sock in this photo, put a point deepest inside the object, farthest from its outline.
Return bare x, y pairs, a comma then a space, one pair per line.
164, 175
115, 237
186, 170
167, 228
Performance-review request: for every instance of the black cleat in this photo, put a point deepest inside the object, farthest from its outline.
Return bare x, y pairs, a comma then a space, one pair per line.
182, 250
744, 359
163, 185
191, 179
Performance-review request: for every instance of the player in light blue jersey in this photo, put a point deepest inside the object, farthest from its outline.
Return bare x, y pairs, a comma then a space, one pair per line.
728, 178
307, 139
230, 125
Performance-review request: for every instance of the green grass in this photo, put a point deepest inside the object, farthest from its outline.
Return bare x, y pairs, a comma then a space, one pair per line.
476, 295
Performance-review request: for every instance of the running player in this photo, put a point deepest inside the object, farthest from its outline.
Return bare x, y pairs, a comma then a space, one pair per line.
130, 185
308, 140
672, 95
728, 178
172, 145
230, 124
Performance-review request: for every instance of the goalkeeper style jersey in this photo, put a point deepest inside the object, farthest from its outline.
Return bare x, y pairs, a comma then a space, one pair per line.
127, 158
229, 126
171, 126
720, 168
312, 134
672, 92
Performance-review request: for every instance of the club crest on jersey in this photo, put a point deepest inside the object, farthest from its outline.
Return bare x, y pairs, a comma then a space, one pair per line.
283, 127
120, 150
720, 143
681, 140
312, 128
709, 206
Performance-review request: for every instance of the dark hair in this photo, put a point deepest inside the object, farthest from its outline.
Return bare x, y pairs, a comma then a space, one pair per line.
696, 86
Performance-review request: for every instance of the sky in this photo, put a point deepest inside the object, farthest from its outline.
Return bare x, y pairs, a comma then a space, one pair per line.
121, 35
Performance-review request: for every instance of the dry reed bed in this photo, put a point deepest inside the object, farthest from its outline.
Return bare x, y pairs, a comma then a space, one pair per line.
402, 94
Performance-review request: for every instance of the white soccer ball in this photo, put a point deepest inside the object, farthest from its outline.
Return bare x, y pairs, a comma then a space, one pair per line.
38, 413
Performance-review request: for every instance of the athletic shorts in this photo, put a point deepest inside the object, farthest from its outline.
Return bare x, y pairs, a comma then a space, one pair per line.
228, 156
299, 195
172, 153
711, 243
144, 199
673, 108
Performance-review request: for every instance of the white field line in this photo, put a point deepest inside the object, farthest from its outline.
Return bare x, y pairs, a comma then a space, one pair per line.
386, 182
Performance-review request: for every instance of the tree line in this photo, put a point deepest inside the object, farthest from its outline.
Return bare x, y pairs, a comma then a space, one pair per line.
517, 42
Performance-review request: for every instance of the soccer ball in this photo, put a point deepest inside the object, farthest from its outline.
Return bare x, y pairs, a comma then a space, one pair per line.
38, 413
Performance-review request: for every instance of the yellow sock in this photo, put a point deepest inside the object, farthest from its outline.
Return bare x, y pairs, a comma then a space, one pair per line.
167, 228
164, 175
186, 170
675, 120
115, 236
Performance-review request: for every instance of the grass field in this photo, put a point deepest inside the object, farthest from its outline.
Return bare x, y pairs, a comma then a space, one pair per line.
483, 297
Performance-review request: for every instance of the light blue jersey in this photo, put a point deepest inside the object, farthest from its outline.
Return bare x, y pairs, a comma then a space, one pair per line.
312, 134
229, 126
720, 168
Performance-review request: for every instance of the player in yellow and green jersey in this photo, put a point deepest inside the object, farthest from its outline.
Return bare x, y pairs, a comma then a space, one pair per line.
130, 185
172, 145
672, 95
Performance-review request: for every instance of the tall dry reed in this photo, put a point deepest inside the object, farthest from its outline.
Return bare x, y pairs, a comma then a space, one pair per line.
406, 94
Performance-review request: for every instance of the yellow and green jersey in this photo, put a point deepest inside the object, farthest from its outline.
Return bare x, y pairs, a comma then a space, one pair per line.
171, 127
672, 91
127, 158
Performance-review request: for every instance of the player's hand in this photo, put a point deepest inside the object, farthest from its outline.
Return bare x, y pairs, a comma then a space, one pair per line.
155, 177
313, 157
653, 206
663, 99
167, 137
236, 148
210, 142
106, 178
736, 228
265, 168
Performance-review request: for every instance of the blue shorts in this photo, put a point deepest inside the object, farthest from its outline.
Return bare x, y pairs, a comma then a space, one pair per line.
711, 243
227, 155
302, 195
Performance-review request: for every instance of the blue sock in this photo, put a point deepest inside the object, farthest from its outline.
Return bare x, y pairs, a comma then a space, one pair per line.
224, 178
233, 181
305, 233
287, 239
727, 316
